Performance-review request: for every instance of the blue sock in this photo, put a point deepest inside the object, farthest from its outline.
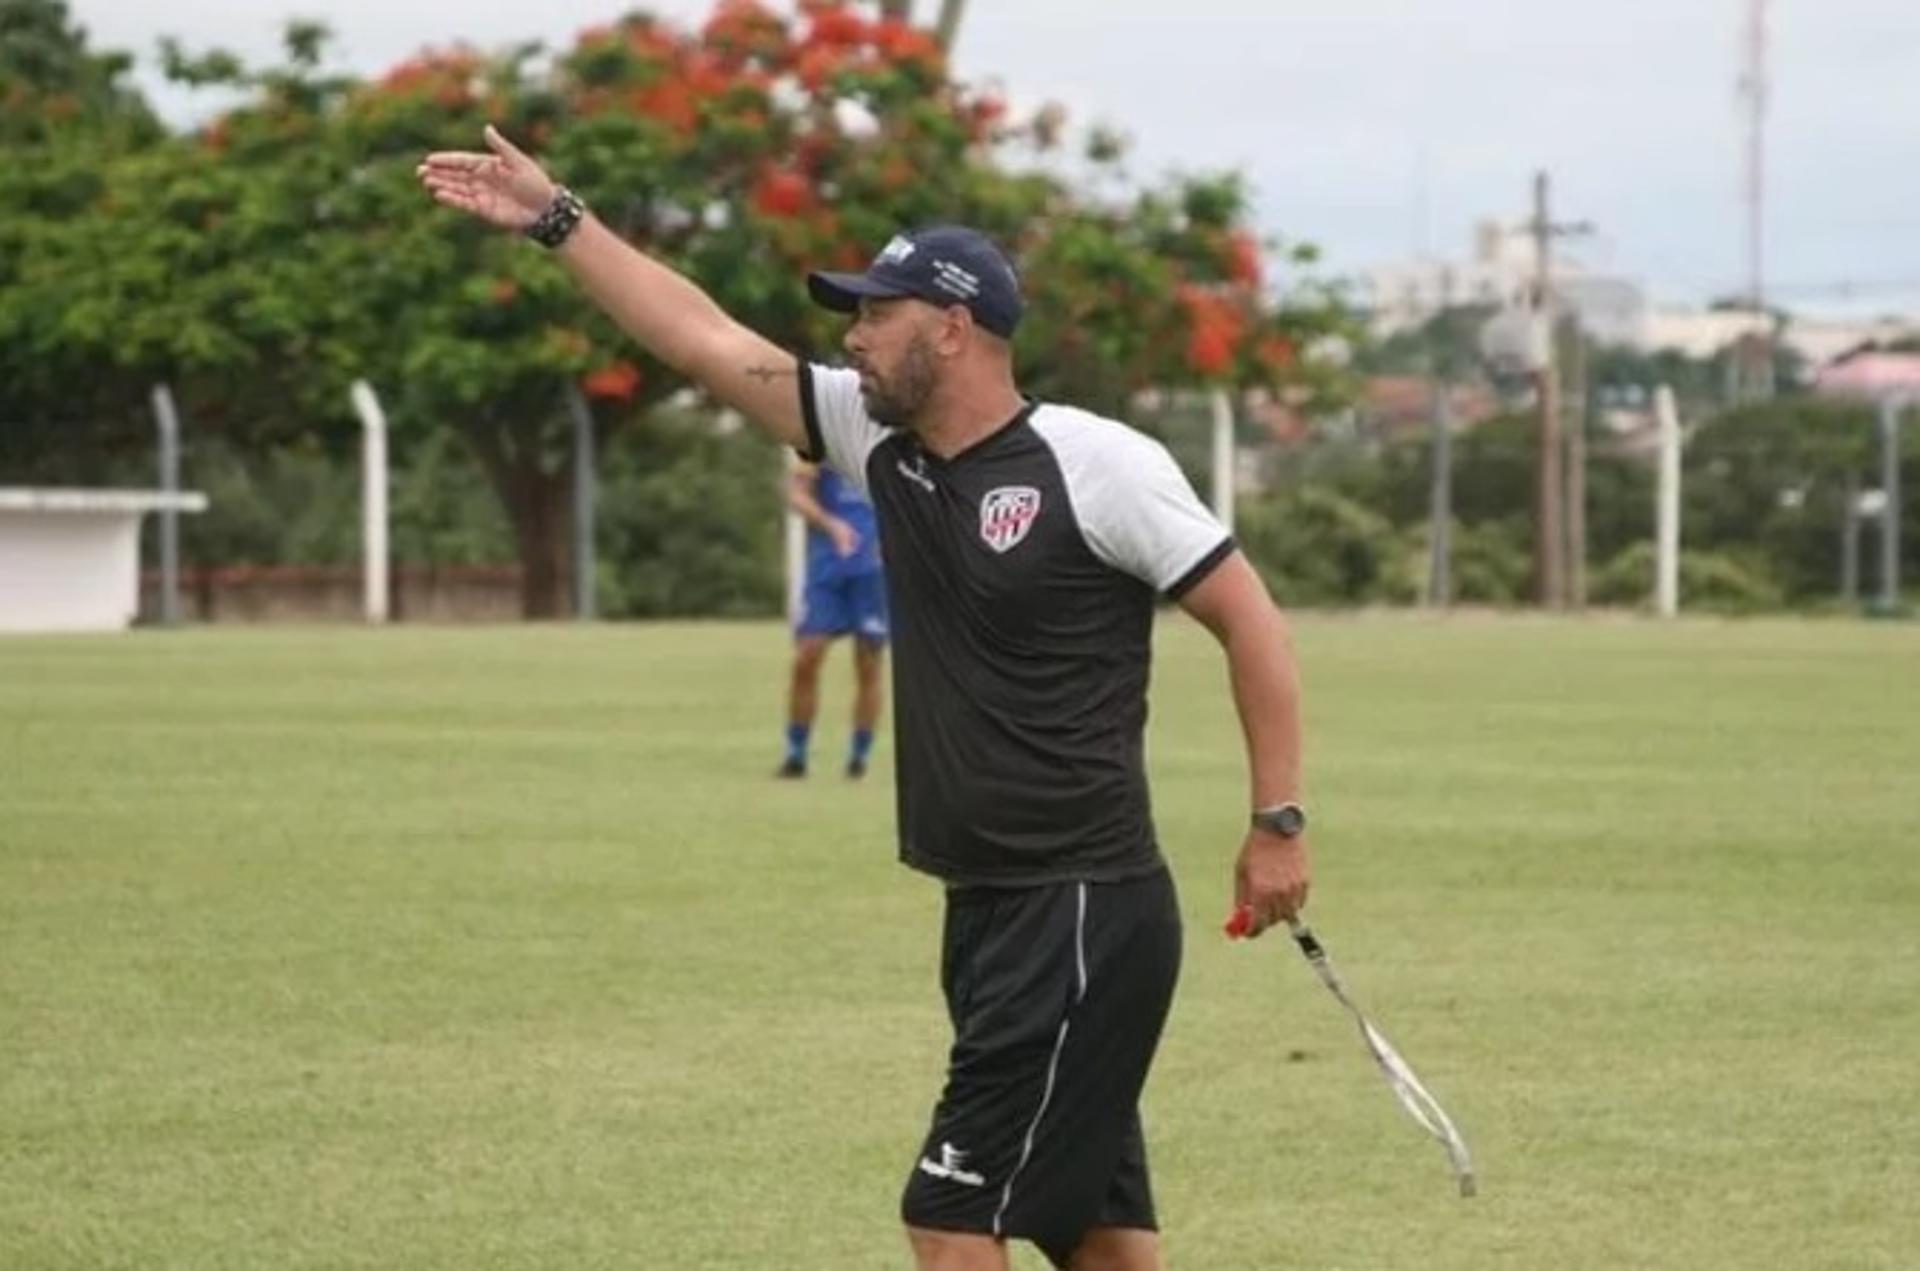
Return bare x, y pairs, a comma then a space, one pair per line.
797, 735
862, 744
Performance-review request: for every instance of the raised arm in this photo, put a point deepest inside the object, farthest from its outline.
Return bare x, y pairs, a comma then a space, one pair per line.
664, 311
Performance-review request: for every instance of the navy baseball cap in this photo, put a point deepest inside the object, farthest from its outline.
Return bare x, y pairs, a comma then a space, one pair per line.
944, 265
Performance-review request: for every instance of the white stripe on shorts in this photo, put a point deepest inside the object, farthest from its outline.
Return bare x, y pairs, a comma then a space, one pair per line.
1053, 1064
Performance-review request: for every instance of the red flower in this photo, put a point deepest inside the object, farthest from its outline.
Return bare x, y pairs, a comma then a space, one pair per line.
503, 291
817, 65
670, 101
837, 26
649, 42
741, 29
812, 151
782, 192
901, 42
1210, 350
706, 77
407, 76
1276, 353
1216, 331
982, 114
1243, 259
618, 381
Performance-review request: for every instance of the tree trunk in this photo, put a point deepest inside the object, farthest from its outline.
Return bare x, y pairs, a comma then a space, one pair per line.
541, 523
948, 26
538, 504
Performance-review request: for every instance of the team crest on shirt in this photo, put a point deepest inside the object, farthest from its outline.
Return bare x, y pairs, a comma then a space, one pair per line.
1006, 514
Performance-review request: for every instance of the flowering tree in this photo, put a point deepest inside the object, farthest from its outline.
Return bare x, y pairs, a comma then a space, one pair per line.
283, 249
66, 114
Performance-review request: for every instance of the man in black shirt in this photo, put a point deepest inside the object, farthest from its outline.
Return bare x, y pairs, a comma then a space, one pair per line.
1026, 546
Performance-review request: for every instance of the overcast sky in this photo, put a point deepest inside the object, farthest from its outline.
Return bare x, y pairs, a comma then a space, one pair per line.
1382, 129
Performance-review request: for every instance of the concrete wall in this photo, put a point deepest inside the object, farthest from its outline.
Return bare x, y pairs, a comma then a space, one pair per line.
329, 593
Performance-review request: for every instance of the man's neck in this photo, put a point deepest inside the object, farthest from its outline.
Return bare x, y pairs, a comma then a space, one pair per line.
952, 425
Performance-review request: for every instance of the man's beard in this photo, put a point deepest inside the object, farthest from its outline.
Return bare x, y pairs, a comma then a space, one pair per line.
898, 402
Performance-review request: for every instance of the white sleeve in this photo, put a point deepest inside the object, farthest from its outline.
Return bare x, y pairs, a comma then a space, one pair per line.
840, 433
1135, 508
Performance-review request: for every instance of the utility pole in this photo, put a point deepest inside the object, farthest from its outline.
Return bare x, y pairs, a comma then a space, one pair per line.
168, 419
1550, 528
1578, 394
1440, 498
1850, 541
1890, 409
585, 487
1753, 356
1440, 514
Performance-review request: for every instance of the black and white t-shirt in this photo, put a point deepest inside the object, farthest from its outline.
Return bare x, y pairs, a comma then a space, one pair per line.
1021, 575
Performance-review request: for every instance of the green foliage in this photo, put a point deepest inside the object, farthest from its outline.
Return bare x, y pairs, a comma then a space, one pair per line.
66, 120
690, 524
1699, 387
1772, 479
54, 90
283, 250
1494, 481
1314, 547
1491, 562
293, 505
1708, 580
299, 504
442, 510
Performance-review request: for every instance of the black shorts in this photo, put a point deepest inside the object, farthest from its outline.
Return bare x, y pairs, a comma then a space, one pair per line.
1058, 994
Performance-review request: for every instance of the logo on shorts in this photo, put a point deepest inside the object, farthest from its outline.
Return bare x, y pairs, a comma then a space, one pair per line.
1006, 514
949, 1167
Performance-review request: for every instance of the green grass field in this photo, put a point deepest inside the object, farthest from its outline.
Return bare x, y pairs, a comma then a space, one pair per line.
435, 949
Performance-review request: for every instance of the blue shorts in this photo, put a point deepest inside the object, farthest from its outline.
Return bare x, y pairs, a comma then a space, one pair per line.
851, 604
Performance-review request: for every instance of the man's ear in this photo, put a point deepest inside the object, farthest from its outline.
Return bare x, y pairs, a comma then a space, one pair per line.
956, 329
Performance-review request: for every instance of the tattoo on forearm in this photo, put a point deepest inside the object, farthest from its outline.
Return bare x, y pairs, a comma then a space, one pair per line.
768, 374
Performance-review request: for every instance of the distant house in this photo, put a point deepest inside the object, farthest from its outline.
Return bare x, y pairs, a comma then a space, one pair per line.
1500, 273
1398, 405
1871, 374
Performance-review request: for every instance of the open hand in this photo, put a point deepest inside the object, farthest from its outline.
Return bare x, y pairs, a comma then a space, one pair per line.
504, 188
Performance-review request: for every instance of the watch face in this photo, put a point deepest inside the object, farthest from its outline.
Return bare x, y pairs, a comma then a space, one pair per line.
1287, 820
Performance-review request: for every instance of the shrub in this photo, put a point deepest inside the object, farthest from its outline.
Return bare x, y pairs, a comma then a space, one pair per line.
1491, 564
1314, 547
1708, 580
690, 523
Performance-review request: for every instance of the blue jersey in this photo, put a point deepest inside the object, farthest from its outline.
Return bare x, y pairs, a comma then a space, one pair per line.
842, 499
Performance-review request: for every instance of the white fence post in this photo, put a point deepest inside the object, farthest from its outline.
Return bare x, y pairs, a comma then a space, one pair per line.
373, 498
1223, 458
1667, 555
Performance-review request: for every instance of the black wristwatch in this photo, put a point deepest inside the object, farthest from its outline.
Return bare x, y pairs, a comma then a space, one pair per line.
1288, 820
557, 223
